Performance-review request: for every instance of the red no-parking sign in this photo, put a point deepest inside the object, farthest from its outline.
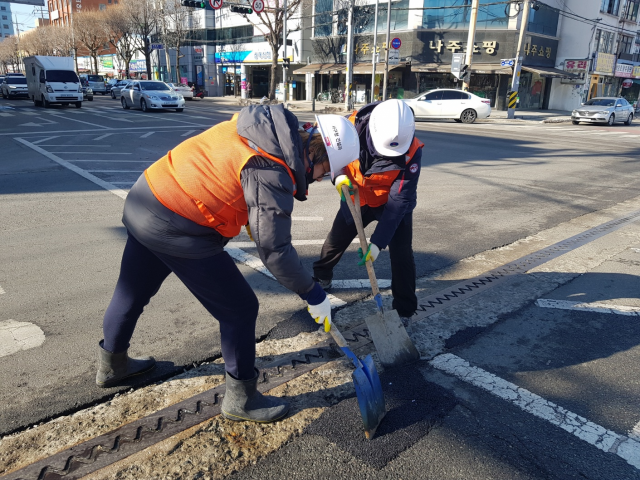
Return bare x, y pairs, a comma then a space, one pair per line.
215, 4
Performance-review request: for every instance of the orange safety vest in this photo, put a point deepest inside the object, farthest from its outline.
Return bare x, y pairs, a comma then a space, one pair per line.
374, 188
200, 178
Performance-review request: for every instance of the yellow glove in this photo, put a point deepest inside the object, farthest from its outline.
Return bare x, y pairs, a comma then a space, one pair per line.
344, 180
321, 313
248, 228
372, 253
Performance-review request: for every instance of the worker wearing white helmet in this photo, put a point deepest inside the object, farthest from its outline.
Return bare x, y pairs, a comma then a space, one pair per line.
386, 175
188, 205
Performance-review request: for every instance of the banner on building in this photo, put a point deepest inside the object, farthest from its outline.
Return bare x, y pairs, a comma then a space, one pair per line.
605, 64
107, 61
137, 66
578, 67
624, 70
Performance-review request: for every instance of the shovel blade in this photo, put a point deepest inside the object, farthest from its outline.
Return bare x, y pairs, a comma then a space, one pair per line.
392, 342
370, 396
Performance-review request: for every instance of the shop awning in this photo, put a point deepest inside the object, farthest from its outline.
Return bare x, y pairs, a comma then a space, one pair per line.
446, 68
358, 68
550, 72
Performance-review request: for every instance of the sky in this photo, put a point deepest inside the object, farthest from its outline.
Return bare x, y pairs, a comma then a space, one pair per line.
24, 15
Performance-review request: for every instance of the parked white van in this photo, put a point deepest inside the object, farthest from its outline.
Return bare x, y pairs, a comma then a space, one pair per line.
52, 80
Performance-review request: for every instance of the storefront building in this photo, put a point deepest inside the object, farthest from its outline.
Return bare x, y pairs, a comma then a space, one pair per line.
603, 82
629, 74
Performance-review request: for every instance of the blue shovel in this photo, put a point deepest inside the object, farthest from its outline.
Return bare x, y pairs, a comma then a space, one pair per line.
368, 387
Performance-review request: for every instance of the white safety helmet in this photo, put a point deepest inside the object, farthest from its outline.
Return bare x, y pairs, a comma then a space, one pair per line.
340, 139
392, 127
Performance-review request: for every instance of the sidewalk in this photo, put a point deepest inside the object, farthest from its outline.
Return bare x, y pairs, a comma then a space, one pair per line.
497, 116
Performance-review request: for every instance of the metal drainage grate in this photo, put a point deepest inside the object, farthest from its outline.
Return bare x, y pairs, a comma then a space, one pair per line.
430, 304
129, 439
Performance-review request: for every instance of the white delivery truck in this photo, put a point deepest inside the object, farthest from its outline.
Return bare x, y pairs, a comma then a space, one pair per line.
52, 80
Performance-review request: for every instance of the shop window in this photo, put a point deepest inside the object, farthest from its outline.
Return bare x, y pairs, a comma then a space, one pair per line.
631, 10
544, 20
604, 41
625, 44
455, 14
364, 18
323, 19
610, 6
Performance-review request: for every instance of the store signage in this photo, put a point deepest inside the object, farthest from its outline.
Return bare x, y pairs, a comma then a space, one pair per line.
438, 46
624, 70
605, 64
579, 67
539, 51
636, 72
455, 46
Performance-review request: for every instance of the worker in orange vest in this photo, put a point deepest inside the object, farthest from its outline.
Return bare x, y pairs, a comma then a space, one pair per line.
386, 175
187, 206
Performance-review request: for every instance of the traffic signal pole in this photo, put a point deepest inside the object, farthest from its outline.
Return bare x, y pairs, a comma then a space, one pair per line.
284, 52
374, 60
466, 80
517, 66
386, 52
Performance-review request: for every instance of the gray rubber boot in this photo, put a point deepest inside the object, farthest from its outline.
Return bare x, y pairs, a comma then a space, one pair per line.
242, 401
113, 368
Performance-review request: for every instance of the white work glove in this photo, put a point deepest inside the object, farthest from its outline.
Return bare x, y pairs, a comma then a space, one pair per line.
344, 180
321, 313
372, 253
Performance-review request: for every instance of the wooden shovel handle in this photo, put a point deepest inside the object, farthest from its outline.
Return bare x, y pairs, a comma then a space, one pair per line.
354, 207
337, 337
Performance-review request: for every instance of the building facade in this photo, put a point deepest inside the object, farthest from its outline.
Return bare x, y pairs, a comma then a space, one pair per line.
6, 20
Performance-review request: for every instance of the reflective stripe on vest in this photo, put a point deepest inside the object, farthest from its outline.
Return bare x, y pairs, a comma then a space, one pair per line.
200, 178
374, 188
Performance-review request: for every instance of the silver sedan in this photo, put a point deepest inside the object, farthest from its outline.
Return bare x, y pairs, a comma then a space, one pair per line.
607, 110
184, 90
150, 95
116, 88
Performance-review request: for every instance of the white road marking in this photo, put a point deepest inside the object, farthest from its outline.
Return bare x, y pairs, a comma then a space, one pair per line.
589, 307
2, 290
187, 133
98, 181
102, 136
255, 263
295, 243
148, 134
102, 127
98, 153
606, 440
16, 336
44, 140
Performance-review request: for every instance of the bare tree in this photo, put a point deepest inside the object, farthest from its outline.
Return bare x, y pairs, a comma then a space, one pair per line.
120, 32
272, 19
88, 27
145, 20
9, 54
178, 23
39, 41
65, 42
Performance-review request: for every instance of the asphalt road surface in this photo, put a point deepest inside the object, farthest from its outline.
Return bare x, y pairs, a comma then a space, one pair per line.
64, 173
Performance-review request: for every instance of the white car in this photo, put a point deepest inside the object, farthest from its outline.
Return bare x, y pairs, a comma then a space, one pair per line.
184, 90
460, 106
150, 94
14, 86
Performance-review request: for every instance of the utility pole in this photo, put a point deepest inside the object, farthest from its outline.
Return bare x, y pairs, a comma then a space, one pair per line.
470, 44
515, 81
349, 72
386, 52
284, 52
374, 54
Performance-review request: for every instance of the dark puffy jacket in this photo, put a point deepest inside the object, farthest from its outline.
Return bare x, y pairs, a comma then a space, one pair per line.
268, 192
404, 190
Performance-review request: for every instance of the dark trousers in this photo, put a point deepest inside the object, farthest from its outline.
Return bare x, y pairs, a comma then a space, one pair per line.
403, 267
215, 281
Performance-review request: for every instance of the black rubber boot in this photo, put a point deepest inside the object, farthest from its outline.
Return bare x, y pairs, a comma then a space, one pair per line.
113, 368
242, 401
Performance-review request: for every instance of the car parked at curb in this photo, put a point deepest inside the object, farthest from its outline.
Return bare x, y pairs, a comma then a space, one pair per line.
150, 95
449, 103
609, 110
14, 87
184, 90
87, 92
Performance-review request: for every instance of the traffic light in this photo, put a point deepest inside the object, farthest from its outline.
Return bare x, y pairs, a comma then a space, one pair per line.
286, 62
241, 9
463, 71
193, 3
